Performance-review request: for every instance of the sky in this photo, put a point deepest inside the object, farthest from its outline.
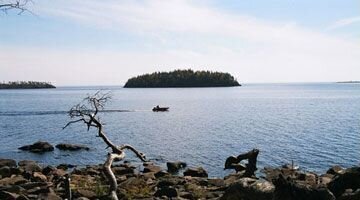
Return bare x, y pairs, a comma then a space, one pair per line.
92, 42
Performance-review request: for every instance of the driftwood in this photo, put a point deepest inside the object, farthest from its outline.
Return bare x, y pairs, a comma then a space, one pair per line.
86, 112
233, 162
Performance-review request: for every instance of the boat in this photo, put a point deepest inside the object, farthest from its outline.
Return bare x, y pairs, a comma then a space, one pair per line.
160, 109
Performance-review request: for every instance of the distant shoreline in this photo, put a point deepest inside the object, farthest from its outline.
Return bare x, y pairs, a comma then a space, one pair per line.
348, 82
26, 85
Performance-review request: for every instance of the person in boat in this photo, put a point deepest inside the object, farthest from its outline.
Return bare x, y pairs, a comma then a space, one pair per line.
157, 107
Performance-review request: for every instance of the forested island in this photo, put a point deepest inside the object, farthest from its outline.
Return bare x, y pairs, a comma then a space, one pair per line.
182, 78
25, 85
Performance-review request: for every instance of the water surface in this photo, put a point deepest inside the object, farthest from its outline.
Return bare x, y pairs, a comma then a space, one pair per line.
315, 125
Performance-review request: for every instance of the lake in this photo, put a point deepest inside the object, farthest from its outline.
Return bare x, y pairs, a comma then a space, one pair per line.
315, 125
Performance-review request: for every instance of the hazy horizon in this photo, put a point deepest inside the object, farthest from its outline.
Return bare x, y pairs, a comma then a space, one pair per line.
79, 43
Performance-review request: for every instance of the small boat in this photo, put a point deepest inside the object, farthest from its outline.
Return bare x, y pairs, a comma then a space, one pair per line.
160, 109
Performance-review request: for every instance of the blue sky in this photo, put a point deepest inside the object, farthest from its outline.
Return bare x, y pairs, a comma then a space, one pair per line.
110, 41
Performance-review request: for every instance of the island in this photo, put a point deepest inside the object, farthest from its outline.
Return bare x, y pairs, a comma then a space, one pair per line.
25, 85
348, 82
182, 78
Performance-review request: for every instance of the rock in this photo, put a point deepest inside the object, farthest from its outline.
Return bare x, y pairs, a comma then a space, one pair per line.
350, 195
151, 168
38, 147
187, 195
325, 179
31, 185
169, 182
86, 193
13, 189
65, 166
308, 178
149, 175
147, 163
38, 190
82, 198
196, 172
349, 179
22, 197
8, 171
169, 192
7, 163
48, 170
174, 167
29, 166
5, 172
335, 170
120, 179
13, 180
39, 177
216, 182
161, 174
249, 188
8, 195
287, 188
49, 196
72, 147
119, 171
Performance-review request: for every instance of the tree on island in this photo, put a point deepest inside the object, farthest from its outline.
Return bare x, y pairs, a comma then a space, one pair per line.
182, 78
87, 112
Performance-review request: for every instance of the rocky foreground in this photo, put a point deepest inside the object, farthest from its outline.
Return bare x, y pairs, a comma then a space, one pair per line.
28, 180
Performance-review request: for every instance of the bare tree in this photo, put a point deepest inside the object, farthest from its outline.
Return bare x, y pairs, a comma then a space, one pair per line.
19, 5
87, 112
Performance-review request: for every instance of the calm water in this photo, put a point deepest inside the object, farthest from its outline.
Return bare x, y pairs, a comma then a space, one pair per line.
316, 125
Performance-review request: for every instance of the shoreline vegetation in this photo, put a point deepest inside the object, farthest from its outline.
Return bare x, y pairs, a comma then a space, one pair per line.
25, 85
182, 78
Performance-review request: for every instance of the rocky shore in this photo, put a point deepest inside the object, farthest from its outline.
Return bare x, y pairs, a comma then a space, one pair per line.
29, 180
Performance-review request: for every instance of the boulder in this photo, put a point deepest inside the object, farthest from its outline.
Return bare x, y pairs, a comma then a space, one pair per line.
287, 188
350, 195
5, 172
169, 192
196, 172
248, 189
65, 166
49, 196
8, 195
86, 193
48, 170
39, 177
29, 166
72, 147
8, 171
335, 170
13, 180
119, 171
7, 163
174, 167
350, 179
38, 147
152, 168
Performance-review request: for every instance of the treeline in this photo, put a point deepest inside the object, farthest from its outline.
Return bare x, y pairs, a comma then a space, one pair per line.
25, 85
182, 78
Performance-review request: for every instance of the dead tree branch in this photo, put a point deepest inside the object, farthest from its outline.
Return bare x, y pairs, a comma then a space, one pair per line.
19, 5
86, 112
233, 162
